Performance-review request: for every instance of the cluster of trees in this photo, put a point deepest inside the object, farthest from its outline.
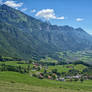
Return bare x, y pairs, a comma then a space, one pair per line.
3, 59
20, 69
81, 62
62, 62
73, 72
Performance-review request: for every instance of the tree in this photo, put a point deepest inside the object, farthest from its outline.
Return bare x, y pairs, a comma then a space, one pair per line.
45, 71
38, 69
54, 76
31, 61
76, 79
28, 68
54, 71
20, 69
82, 79
1, 58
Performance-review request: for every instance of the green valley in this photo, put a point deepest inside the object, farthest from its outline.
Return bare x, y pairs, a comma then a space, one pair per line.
12, 80
43, 55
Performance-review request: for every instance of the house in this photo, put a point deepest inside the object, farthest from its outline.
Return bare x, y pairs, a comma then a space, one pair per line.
61, 79
41, 76
35, 64
49, 77
68, 77
77, 76
73, 77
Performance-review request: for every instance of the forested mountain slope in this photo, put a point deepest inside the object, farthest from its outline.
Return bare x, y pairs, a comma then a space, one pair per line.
26, 37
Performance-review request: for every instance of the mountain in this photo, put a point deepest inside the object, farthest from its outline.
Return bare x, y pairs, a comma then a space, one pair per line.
26, 37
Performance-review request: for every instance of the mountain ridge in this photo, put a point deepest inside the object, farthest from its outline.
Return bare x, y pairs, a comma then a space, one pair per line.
27, 37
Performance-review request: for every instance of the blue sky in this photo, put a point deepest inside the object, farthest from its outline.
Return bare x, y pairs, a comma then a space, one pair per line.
76, 13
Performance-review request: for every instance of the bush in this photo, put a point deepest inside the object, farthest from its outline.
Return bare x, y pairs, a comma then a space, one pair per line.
76, 79
13, 81
82, 79
34, 75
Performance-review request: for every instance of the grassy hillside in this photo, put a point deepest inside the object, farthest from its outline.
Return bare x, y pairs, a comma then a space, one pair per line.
63, 68
12, 81
17, 87
68, 56
25, 82
60, 68
48, 60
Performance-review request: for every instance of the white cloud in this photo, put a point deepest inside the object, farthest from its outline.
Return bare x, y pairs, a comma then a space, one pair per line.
48, 14
61, 17
24, 9
13, 4
79, 19
33, 11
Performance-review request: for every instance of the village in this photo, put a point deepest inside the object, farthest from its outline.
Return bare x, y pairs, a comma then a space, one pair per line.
42, 72
79, 71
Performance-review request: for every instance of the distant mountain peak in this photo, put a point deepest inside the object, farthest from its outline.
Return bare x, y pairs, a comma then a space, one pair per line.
80, 29
4, 5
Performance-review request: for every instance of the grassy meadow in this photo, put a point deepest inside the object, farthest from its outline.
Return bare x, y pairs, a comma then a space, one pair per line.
17, 82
